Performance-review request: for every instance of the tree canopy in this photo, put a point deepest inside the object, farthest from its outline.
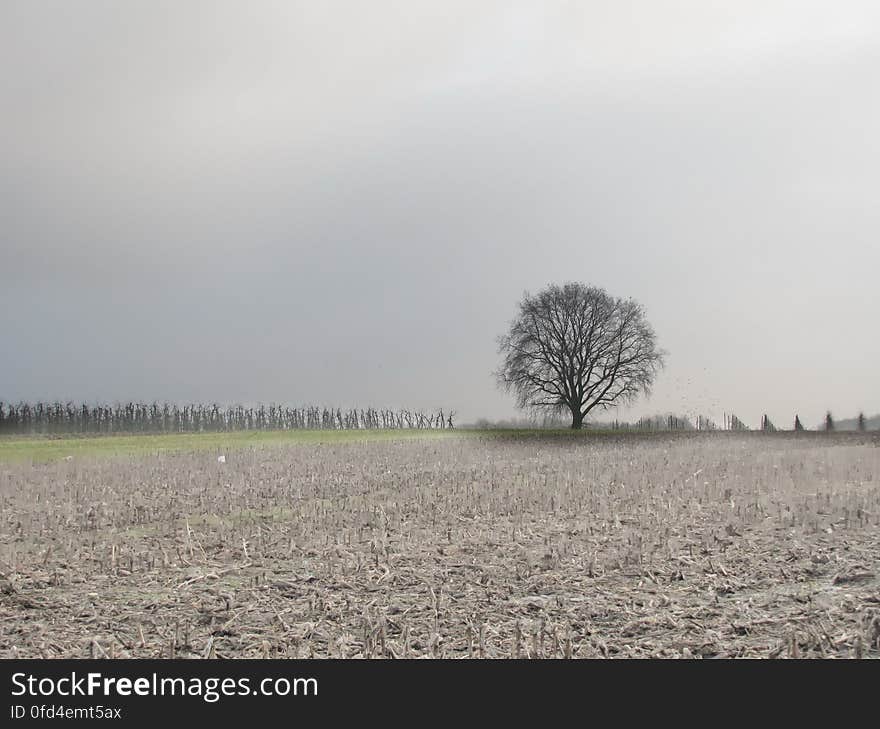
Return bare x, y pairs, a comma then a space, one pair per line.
575, 347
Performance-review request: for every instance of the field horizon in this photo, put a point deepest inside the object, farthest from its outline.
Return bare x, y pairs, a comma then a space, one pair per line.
40, 447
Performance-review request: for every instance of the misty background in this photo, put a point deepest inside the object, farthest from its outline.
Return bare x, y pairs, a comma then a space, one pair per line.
342, 203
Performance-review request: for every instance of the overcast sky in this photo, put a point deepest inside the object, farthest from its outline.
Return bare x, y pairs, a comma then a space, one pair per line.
342, 202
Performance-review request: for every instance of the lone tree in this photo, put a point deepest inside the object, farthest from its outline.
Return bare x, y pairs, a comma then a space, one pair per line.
576, 348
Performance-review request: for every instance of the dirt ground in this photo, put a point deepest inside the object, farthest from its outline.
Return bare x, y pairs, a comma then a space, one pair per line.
714, 545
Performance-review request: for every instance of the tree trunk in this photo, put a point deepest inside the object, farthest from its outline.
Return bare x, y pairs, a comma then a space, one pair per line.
577, 420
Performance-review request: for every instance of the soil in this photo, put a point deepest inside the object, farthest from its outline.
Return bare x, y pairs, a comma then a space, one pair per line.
697, 546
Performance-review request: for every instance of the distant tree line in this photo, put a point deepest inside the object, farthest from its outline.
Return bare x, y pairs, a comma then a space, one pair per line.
555, 421
668, 422
137, 417
860, 423
663, 422
731, 422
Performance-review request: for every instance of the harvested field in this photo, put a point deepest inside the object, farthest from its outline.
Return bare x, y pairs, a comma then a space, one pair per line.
714, 545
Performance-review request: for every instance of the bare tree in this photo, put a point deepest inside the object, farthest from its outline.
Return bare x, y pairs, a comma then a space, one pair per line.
576, 348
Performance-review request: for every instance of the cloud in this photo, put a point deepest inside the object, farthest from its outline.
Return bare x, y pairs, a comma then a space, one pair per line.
341, 203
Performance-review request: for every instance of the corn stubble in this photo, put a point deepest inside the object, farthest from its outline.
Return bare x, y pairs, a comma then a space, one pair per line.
702, 545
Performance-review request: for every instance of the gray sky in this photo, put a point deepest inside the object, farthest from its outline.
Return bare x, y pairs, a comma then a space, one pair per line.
342, 202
